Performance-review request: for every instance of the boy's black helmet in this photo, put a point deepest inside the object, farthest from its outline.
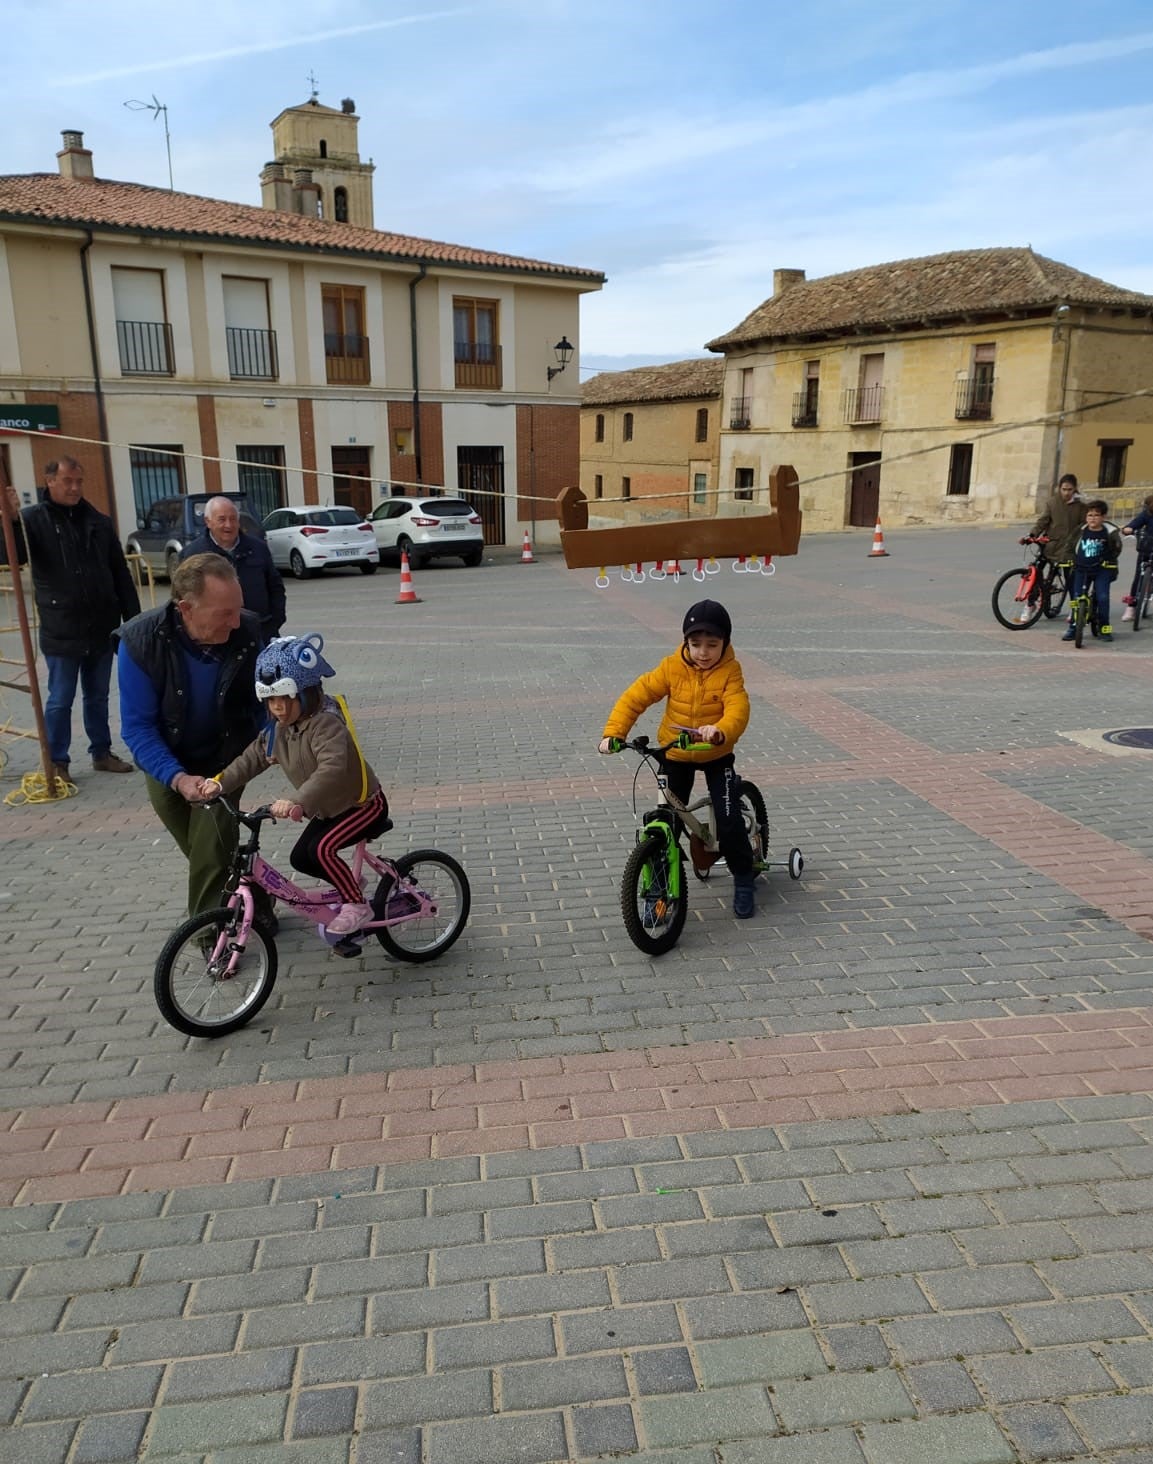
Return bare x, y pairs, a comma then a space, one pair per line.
711, 616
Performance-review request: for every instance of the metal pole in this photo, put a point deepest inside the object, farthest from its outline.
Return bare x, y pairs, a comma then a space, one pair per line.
26, 640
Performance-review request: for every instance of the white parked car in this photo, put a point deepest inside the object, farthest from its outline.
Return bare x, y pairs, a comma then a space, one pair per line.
429, 528
307, 539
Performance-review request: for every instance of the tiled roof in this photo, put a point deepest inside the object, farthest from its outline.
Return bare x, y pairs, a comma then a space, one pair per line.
676, 381
919, 291
50, 198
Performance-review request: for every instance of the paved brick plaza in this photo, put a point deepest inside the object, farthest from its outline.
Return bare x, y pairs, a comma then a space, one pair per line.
869, 1178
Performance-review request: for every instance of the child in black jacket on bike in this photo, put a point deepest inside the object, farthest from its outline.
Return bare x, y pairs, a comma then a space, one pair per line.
1095, 553
1142, 526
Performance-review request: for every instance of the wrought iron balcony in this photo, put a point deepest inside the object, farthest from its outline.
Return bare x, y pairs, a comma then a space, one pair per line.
478, 364
346, 359
739, 412
804, 409
251, 353
974, 399
863, 404
145, 347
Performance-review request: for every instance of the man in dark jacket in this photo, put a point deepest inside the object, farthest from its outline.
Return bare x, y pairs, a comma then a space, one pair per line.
260, 581
83, 590
188, 706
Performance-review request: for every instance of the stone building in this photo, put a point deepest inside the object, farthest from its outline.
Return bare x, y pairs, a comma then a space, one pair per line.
948, 389
650, 440
318, 358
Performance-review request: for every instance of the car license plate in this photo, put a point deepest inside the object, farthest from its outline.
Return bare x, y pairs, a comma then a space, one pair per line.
345, 553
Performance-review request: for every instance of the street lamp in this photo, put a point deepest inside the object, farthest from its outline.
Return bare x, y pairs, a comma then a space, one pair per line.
563, 350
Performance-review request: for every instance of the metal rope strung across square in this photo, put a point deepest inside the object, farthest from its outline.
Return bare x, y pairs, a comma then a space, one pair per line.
752, 541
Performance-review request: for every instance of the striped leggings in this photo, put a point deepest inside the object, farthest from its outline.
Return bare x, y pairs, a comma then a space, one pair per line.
315, 852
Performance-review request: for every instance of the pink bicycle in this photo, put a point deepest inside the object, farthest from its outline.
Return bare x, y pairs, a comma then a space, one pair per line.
218, 968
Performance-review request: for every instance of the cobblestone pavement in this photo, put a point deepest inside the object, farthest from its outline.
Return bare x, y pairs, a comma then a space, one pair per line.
867, 1178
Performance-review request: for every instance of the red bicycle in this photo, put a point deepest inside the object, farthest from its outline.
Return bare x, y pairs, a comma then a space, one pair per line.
1038, 587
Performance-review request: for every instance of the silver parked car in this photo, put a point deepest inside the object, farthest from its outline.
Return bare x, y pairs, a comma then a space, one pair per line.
307, 539
429, 528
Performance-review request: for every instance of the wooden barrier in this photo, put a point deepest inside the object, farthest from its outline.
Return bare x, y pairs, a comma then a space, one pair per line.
777, 533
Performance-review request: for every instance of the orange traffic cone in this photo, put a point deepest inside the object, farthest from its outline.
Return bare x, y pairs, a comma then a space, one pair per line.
526, 552
878, 551
408, 595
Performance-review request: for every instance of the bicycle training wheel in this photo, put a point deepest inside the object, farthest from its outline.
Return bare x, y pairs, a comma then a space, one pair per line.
756, 820
193, 991
423, 937
1008, 608
1055, 593
653, 916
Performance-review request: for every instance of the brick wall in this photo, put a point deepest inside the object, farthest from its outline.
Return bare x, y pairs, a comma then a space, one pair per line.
547, 457
402, 466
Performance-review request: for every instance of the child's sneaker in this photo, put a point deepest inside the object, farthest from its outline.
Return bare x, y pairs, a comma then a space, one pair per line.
1128, 612
349, 918
1105, 633
744, 898
1070, 634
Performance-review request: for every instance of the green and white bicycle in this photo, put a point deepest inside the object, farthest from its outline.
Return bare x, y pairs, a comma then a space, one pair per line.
654, 901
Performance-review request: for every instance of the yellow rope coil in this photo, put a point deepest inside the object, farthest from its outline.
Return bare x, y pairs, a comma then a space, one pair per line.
34, 789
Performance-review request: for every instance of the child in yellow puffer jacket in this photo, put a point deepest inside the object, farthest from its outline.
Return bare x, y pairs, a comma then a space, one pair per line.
703, 687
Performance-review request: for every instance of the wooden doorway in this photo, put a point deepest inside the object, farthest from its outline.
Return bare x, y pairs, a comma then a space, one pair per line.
352, 478
864, 489
480, 480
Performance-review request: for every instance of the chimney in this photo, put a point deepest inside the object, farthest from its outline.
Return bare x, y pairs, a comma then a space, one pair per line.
74, 158
276, 188
306, 193
785, 279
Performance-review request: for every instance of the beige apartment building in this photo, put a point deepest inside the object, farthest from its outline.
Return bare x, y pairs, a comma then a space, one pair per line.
650, 439
954, 388
292, 350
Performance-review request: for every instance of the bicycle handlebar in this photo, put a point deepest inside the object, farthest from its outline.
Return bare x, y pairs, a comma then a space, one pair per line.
1034, 539
250, 820
683, 742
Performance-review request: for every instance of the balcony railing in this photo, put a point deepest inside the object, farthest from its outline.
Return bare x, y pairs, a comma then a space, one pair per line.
804, 409
346, 359
251, 353
145, 347
864, 403
478, 364
739, 412
974, 399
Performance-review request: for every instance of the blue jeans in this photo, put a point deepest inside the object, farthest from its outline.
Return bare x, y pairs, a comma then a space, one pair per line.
94, 673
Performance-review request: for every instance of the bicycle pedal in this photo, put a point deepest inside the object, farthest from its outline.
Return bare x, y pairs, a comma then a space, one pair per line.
348, 947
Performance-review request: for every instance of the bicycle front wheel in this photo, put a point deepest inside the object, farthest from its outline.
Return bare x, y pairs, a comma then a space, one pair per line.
756, 820
654, 917
1144, 590
1055, 593
423, 937
196, 992
1016, 602
1080, 616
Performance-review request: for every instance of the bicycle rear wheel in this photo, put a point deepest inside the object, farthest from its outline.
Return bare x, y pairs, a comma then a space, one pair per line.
424, 937
654, 917
195, 993
1018, 594
756, 820
1055, 591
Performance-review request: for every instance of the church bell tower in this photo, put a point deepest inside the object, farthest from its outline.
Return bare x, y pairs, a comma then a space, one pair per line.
316, 167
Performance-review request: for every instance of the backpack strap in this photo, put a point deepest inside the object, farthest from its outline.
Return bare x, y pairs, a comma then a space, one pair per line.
342, 708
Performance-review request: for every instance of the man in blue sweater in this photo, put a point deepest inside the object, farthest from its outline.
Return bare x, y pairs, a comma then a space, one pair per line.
188, 707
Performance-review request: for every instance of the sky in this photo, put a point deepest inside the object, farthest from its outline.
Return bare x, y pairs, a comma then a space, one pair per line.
684, 149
